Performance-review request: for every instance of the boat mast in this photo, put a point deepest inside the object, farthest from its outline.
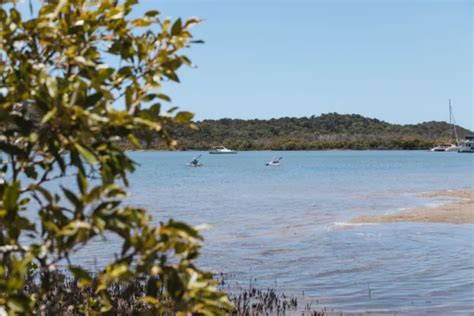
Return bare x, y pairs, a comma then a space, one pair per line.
452, 122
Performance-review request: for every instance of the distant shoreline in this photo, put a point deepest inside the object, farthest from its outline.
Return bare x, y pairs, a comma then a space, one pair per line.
347, 147
458, 211
274, 150
324, 132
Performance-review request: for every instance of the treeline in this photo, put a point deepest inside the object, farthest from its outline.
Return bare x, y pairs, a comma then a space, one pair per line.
328, 131
406, 143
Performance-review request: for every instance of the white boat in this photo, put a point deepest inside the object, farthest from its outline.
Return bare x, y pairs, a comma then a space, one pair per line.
449, 147
222, 150
274, 162
446, 147
467, 145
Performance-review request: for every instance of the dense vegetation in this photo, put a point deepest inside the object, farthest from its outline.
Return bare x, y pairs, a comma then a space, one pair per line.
328, 131
62, 68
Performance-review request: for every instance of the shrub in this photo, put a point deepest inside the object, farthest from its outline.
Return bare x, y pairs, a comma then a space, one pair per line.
61, 72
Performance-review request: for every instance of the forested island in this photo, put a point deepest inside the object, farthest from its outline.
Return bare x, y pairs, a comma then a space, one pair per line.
328, 131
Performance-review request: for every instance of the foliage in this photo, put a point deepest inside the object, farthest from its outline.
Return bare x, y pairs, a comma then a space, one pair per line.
328, 131
60, 73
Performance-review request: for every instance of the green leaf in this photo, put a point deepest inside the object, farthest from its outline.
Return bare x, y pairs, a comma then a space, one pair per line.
118, 270
177, 27
141, 22
105, 72
18, 303
163, 97
191, 22
149, 300
88, 155
152, 13
133, 140
83, 276
184, 117
73, 227
129, 97
171, 110
49, 116
30, 171
72, 198
52, 85
152, 96
43, 191
92, 99
154, 110
82, 182
153, 125
10, 196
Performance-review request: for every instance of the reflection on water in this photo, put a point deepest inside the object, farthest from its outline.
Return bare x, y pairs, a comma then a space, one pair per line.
288, 226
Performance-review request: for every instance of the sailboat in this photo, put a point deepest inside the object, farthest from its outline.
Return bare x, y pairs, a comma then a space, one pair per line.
447, 147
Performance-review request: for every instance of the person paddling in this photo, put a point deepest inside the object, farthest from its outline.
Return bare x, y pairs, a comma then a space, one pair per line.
195, 161
275, 161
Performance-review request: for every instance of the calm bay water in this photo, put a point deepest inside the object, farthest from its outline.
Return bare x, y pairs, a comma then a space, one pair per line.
288, 226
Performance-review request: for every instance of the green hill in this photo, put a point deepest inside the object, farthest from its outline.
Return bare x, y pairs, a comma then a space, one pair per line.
328, 131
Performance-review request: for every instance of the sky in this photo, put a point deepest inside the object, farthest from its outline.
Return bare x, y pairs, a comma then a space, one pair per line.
396, 60
399, 61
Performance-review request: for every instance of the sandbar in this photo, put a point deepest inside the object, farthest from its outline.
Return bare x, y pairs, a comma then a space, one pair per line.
458, 211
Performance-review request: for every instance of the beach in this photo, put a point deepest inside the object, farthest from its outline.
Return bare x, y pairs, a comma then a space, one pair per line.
458, 211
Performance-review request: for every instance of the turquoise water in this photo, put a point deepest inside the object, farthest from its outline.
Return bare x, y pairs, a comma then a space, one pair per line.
288, 226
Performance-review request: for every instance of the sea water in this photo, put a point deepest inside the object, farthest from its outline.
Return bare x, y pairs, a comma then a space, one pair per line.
288, 227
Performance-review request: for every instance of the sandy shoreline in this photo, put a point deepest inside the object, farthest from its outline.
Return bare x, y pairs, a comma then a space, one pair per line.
459, 211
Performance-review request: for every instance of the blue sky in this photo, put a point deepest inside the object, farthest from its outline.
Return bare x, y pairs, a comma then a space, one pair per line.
396, 60
399, 61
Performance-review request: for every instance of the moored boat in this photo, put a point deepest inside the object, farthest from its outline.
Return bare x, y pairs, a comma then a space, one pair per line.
221, 150
467, 145
449, 147
445, 147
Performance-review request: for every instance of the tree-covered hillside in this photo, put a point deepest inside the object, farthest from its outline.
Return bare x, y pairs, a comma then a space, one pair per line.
328, 131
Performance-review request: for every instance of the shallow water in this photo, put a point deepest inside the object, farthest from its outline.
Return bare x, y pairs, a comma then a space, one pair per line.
288, 226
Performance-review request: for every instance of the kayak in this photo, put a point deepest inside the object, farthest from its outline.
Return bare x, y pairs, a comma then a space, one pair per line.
194, 165
275, 164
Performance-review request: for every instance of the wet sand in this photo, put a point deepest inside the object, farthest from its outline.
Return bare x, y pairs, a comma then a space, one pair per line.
458, 211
